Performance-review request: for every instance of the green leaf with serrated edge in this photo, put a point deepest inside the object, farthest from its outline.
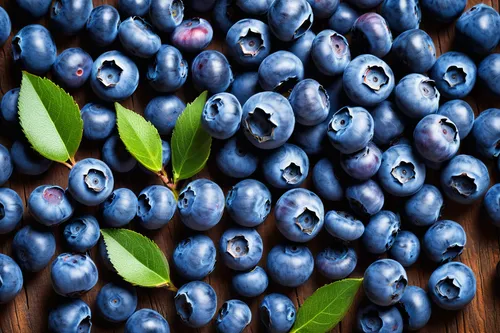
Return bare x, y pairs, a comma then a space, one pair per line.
324, 309
50, 118
190, 143
140, 138
136, 258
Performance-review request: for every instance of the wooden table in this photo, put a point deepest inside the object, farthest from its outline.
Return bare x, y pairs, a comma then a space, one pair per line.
29, 311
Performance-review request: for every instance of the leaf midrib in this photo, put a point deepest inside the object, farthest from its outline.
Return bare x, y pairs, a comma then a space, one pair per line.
183, 161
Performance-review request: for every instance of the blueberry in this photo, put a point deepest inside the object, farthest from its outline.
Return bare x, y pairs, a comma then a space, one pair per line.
254, 7
461, 114
156, 207
444, 241
116, 303
90, 182
323, 9
146, 321
452, 286
35, 8
268, 120
277, 313
286, 167
372, 318
371, 34
326, 181
492, 204
5, 26
50, 205
330, 52
234, 316
102, 25
280, 71
488, 70
424, 207
72, 315
486, 133
224, 14
248, 203
436, 138
114, 76
168, 71
27, 161
406, 248
362, 164
454, 74
202, 5
388, 122
249, 42
366, 198
70, 16
385, 282
290, 265
166, 14
312, 139
415, 50
116, 156
301, 47
103, 253
138, 38
245, 85
34, 48
221, 116
289, 19
194, 257
11, 278
415, 307
368, 80
444, 11
163, 111
98, 121
350, 129
417, 96
476, 29
241, 248
380, 233
8, 108
72, 67
401, 15
365, 4
73, 275
343, 18
134, 7
401, 173
343, 226
33, 248
211, 71
310, 102
196, 303
192, 35
201, 204
336, 262
465, 179
252, 283
119, 208
12, 209
82, 233
236, 159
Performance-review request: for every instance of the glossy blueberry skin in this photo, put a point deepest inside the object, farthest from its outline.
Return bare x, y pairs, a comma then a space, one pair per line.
415, 306
73, 275
325, 181
436, 138
312, 139
487, 72
465, 179
286, 167
98, 121
289, 19
211, 71
145, 321
116, 156
330, 52
163, 111
134, 7
343, 18
417, 96
253, 7
192, 35
268, 120
73, 315
241, 248
365, 199
299, 215
168, 71
34, 48
35, 8
343, 226
461, 114
371, 34
194, 257
201, 204
138, 38
70, 16
224, 15
381, 231
33, 248
196, 303
233, 317
424, 207
156, 207
6, 166
415, 50
277, 313
50, 205
454, 74
11, 210
372, 318
102, 25
477, 28
444, 241
486, 133
221, 116
389, 124
114, 76
248, 203
27, 161
72, 67
406, 248
249, 42
245, 85
116, 302
385, 282
290, 265
252, 283
5, 26
362, 164
401, 15
11, 277
280, 71
350, 129
166, 14
119, 208
401, 173
444, 11
236, 159
492, 204
452, 286
90, 182
82, 233
368, 80
336, 262
301, 47
8, 108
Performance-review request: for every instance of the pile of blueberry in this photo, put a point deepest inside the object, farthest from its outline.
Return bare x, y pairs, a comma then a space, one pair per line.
372, 138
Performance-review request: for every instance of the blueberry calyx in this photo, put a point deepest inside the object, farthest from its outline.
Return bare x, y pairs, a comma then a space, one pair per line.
53, 195
260, 125
96, 180
452, 252
185, 310
428, 88
56, 8
292, 173
371, 321
144, 206
307, 221
251, 43
2, 211
448, 288
455, 76
286, 85
341, 120
85, 325
399, 287
237, 246
463, 185
16, 48
375, 77
403, 172
212, 110
223, 311
304, 27
336, 252
449, 130
109, 73
186, 198
339, 44
265, 315
392, 237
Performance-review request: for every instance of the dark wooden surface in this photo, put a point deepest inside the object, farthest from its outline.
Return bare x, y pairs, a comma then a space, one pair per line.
28, 311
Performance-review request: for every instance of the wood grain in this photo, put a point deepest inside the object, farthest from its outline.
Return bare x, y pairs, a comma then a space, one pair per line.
28, 312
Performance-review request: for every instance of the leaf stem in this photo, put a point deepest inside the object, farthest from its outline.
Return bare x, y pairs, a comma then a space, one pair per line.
68, 165
164, 178
72, 160
171, 287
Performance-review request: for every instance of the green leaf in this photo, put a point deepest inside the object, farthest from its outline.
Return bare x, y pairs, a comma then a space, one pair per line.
190, 143
140, 137
324, 309
137, 259
50, 118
